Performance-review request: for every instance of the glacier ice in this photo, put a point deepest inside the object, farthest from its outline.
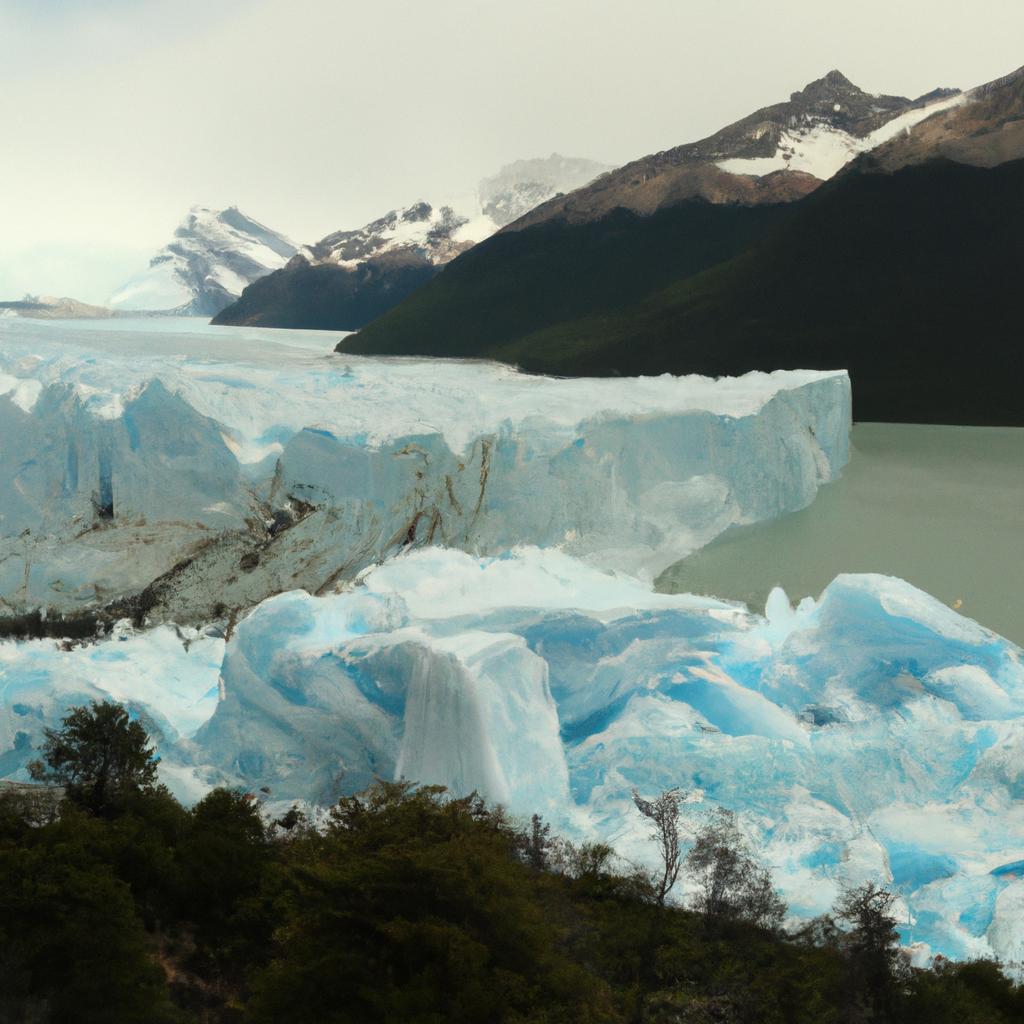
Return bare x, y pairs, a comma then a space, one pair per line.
510, 642
871, 734
130, 452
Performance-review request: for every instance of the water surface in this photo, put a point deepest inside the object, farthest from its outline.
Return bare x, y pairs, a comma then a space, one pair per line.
941, 507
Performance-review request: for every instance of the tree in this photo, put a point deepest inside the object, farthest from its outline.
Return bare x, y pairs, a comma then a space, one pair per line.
663, 813
223, 858
537, 843
872, 944
99, 755
731, 884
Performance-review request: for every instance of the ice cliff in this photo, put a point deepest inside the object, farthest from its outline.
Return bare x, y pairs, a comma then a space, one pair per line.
219, 472
483, 543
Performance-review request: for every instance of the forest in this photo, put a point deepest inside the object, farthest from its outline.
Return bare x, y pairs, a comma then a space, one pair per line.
408, 904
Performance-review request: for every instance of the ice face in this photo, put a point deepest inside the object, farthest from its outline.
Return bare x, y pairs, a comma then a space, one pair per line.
128, 452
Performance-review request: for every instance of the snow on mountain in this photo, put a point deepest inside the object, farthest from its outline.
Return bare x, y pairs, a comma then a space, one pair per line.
815, 146
214, 255
437, 234
434, 235
873, 734
777, 154
353, 276
520, 186
203, 447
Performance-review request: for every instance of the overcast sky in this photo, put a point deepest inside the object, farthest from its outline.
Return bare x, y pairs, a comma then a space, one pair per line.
314, 115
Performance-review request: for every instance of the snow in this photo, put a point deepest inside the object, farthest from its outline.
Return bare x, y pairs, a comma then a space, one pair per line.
821, 150
162, 285
214, 253
180, 422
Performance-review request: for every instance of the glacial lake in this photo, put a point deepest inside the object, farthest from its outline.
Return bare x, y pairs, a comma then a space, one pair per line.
941, 507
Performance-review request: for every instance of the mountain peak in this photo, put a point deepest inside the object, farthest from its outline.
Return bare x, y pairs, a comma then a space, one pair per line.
212, 256
830, 87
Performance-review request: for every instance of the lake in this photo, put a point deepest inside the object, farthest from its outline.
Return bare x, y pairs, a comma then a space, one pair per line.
941, 507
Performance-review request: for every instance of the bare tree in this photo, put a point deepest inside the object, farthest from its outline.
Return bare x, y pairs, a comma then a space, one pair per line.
731, 884
663, 813
872, 946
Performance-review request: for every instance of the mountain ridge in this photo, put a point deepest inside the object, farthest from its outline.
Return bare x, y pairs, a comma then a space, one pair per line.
352, 276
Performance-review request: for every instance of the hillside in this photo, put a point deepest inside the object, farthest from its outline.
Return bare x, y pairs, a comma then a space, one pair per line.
901, 269
519, 282
920, 308
351, 276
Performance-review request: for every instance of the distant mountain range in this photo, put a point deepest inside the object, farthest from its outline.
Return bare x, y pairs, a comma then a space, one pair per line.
732, 254
50, 307
351, 276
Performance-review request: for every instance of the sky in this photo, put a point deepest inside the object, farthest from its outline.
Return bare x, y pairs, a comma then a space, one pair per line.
315, 115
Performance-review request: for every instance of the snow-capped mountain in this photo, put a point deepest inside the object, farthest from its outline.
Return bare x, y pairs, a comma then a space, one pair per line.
352, 276
985, 130
520, 186
438, 234
777, 154
214, 255
435, 235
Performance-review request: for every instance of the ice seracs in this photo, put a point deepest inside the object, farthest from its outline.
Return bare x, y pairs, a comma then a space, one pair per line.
871, 734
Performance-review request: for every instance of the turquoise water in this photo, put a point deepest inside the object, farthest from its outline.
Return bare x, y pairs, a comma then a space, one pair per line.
941, 507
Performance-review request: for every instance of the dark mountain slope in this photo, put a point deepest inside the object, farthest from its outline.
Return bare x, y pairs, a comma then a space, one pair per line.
909, 280
519, 282
325, 296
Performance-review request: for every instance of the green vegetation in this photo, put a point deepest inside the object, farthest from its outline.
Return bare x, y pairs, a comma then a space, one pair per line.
520, 282
411, 906
908, 280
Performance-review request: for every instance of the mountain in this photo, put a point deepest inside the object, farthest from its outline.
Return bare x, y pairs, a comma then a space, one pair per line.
984, 129
901, 268
520, 186
634, 230
777, 154
213, 256
49, 307
352, 276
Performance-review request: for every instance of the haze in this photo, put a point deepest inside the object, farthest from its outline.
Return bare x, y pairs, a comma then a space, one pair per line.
313, 115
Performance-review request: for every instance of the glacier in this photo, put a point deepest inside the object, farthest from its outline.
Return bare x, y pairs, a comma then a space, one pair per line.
871, 734
351, 568
211, 468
